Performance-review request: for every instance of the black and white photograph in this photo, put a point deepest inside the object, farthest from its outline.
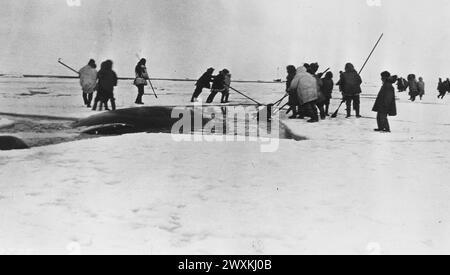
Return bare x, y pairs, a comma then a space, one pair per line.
224, 127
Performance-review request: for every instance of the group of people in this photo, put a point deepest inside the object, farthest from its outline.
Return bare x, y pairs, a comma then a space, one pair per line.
102, 81
310, 92
443, 88
416, 88
220, 84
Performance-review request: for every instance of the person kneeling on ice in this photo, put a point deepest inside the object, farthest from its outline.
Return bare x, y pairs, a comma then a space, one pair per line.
107, 80
88, 81
385, 103
306, 87
203, 82
218, 85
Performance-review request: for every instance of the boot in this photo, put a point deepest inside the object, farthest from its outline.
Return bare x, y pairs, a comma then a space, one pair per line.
113, 104
313, 120
94, 108
357, 112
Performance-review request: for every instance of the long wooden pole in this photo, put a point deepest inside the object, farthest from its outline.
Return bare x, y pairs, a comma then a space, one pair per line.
360, 71
67, 66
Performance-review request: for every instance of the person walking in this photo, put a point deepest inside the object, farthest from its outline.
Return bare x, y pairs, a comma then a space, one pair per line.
88, 81
385, 103
351, 85
306, 87
141, 80
441, 89
421, 87
402, 85
203, 82
107, 80
413, 87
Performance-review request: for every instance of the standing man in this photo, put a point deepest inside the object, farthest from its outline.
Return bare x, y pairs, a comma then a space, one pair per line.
203, 82
421, 86
413, 87
351, 86
141, 80
88, 81
107, 80
385, 104
327, 90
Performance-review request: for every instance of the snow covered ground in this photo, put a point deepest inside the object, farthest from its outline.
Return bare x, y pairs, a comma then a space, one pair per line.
344, 190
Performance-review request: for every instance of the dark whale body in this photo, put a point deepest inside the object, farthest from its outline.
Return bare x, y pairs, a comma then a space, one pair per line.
12, 143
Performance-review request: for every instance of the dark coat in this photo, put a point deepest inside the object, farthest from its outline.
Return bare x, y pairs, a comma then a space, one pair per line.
327, 87
385, 102
107, 78
204, 81
293, 98
219, 82
350, 82
141, 71
441, 87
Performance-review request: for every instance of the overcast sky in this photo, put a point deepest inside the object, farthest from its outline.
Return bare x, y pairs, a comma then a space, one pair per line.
181, 38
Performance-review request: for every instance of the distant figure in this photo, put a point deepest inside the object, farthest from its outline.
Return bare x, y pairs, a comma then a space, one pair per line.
351, 86
141, 80
413, 87
293, 97
218, 85
385, 103
306, 87
226, 92
327, 91
441, 89
421, 86
402, 85
203, 82
107, 80
88, 81
447, 85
